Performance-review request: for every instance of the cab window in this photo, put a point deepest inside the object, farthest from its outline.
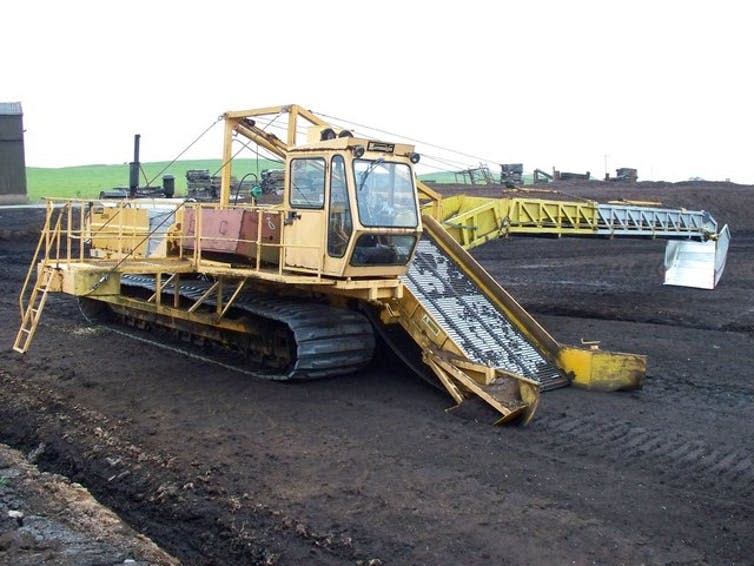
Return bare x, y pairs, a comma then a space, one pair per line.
339, 224
385, 194
308, 182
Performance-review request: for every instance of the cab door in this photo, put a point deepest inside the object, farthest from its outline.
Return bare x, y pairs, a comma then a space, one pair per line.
306, 223
339, 221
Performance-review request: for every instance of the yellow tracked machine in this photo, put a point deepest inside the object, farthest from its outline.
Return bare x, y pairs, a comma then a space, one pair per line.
358, 246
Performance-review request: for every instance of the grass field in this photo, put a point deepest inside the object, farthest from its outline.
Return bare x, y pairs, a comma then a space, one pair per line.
86, 181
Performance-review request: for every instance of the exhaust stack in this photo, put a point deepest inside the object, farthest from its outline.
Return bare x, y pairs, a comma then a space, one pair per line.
134, 167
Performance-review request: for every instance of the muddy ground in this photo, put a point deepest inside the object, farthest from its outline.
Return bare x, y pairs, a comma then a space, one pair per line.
44, 518
220, 468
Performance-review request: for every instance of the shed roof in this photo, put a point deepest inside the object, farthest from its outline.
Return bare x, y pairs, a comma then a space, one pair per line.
10, 109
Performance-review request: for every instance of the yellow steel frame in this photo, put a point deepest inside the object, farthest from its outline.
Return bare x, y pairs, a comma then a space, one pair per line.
94, 276
239, 121
472, 221
541, 216
456, 223
586, 367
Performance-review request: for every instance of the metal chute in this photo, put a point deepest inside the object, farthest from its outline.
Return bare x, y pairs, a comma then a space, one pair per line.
696, 264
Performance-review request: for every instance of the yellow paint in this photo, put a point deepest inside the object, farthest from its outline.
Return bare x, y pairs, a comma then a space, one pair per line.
118, 234
472, 221
120, 230
90, 283
603, 371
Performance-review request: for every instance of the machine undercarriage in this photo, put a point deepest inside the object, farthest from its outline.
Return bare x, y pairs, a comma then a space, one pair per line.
282, 338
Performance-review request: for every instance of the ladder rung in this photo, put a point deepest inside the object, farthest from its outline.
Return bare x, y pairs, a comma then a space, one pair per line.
44, 280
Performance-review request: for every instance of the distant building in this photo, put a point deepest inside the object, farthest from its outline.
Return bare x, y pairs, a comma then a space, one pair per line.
12, 160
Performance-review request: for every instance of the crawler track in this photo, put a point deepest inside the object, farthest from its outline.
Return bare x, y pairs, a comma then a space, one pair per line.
303, 340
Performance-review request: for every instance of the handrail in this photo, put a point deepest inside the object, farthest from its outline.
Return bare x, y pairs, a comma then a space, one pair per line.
131, 241
43, 237
197, 238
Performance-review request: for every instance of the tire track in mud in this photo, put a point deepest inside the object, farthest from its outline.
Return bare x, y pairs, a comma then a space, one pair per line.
680, 459
732, 396
622, 314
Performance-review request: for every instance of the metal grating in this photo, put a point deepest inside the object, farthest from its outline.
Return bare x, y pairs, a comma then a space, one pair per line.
472, 321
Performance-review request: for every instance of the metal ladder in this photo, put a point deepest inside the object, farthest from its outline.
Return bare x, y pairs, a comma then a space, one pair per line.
33, 311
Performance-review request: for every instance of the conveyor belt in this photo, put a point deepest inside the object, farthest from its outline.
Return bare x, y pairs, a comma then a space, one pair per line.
471, 320
628, 220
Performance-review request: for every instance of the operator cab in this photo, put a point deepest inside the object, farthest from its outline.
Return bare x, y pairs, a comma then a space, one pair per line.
355, 201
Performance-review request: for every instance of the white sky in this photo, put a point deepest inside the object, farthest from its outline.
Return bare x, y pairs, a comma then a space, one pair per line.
663, 86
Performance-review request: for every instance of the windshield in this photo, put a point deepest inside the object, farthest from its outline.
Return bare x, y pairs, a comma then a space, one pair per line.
385, 194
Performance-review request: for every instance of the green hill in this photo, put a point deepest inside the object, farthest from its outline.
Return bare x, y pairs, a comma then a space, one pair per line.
86, 181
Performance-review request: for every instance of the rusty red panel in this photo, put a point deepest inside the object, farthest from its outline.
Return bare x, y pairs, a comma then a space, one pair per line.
220, 229
250, 230
231, 230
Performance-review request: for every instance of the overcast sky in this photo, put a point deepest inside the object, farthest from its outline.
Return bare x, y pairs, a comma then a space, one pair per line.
663, 86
